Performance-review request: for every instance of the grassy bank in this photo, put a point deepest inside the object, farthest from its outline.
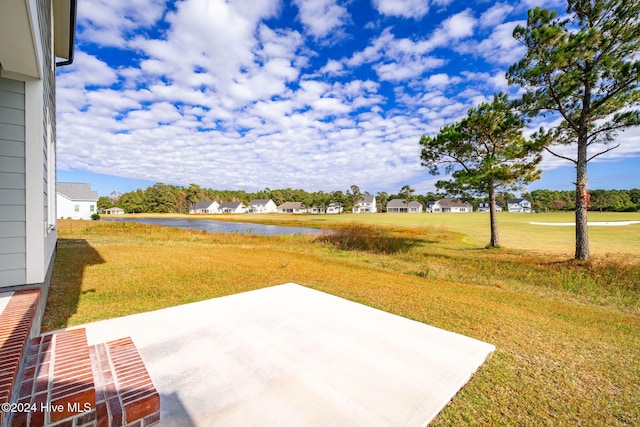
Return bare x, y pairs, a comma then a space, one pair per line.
567, 334
516, 230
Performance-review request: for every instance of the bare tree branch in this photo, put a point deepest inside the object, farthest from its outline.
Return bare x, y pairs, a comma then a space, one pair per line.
605, 151
562, 157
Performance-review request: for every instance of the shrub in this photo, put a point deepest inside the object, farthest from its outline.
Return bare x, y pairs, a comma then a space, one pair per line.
365, 238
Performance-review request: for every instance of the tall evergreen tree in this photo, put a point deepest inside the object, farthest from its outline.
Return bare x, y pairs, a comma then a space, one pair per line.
407, 194
585, 67
485, 151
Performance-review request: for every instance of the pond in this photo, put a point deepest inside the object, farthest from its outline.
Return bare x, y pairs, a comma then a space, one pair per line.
213, 226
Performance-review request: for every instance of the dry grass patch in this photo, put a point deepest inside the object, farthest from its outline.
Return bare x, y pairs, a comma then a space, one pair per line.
567, 335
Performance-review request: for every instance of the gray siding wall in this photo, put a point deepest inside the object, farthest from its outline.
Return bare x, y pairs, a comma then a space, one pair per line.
49, 107
12, 183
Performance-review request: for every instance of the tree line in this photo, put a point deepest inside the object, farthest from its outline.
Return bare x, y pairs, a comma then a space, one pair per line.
166, 198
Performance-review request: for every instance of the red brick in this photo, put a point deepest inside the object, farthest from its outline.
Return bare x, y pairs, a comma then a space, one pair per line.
110, 390
15, 326
81, 376
45, 356
151, 419
142, 408
108, 376
66, 402
73, 390
20, 419
102, 415
65, 423
26, 388
37, 417
42, 384
115, 412
29, 373
86, 417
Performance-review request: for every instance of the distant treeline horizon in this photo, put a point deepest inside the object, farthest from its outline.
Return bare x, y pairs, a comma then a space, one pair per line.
167, 198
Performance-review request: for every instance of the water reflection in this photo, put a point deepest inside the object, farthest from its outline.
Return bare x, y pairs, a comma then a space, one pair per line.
213, 226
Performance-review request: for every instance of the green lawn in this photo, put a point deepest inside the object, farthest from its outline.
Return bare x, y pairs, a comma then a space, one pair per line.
567, 334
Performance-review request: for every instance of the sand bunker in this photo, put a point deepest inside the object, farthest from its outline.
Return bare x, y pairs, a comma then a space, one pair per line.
594, 224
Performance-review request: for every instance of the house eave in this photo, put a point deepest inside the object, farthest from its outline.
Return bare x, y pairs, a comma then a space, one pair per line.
21, 50
64, 20
18, 23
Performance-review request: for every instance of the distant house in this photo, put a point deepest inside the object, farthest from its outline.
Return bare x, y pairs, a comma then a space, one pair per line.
519, 205
331, 208
429, 206
485, 207
451, 205
292, 207
205, 207
114, 211
334, 208
232, 208
367, 204
400, 206
262, 206
75, 200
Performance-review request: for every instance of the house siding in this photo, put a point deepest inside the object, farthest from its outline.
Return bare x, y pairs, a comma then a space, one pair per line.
41, 161
48, 112
27, 164
13, 268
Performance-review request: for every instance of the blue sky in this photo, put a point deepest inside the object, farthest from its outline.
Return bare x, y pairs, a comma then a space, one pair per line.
312, 94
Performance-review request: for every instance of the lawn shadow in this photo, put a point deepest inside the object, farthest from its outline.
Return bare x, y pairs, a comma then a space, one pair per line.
73, 256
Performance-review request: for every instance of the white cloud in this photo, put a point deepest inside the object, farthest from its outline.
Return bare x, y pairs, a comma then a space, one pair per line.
530, 4
332, 67
401, 59
499, 48
459, 26
321, 17
88, 71
404, 8
441, 80
110, 22
407, 67
495, 14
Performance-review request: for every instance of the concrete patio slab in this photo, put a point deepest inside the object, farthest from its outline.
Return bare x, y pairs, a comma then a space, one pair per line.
292, 356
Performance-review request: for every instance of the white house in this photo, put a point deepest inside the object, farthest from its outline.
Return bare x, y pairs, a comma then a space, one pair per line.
114, 211
33, 36
205, 207
400, 206
367, 204
232, 208
486, 207
331, 208
334, 208
451, 205
292, 207
75, 200
519, 205
262, 206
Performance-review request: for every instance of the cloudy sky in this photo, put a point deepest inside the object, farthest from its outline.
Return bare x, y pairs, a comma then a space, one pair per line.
312, 94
